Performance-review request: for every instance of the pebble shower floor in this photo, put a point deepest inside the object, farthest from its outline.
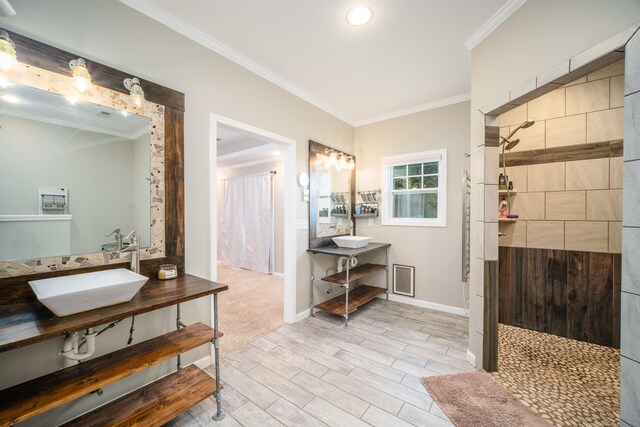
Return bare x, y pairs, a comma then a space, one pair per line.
568, 382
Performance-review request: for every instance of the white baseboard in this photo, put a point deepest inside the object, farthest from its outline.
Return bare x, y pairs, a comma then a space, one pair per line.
203, 362
302, 315
471, 358
426, 304
275, 273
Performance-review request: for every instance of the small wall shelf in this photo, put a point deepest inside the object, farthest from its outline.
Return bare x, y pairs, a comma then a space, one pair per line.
367, 215
507, 219
514, 191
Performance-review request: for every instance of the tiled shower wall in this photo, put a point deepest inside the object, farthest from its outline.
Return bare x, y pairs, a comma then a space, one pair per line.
573, 205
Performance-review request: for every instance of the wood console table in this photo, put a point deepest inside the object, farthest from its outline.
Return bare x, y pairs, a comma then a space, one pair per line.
343, 305
152, 405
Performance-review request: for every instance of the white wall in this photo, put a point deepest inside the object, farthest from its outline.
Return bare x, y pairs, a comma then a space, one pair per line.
100, 172
537, 37
278, 188
434, 251
116, 35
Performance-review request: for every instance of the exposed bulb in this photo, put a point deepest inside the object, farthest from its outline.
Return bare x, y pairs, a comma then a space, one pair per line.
343, 162
8, 57
81, 76
352, 164
136, 93
333, 158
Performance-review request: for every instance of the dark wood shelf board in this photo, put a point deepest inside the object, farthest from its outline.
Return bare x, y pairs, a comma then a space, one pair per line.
29, 323
41, 394
354, 273
155, 403
337, 251
594, 150
357, 297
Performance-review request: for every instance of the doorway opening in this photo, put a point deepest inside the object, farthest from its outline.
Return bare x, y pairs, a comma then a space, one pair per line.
252, 181
556, 296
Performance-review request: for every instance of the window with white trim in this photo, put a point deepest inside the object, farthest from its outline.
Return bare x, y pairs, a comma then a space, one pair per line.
415, 189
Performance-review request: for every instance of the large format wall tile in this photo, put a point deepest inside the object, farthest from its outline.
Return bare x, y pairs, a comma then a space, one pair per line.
545, 177
518, 175
631, 194
570, 130
630, 315
615, 69
588, 174
604, 205
632, 129
531, 138
630, 264
516, 234
545, 234
615, 237
586, 236
514, 116
616, 168
528, 205
548, 106
588, 97
565, 205
629, 390
632, 65
616, 92
607, 125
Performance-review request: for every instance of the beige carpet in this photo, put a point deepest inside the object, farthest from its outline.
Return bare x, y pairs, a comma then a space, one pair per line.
252, 306
475, 399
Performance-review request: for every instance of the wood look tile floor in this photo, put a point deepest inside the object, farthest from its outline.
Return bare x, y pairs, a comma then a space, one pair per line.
318, 373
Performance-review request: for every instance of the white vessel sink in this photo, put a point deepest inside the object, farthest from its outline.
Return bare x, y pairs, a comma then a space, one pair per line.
83, 292
353, 242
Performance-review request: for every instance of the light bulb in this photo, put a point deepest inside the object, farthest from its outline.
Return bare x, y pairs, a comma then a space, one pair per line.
81, 75
136, 93
343, 162
8, 57
333, 158
352, 164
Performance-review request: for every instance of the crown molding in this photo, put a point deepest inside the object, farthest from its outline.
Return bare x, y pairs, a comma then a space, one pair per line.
152, 11
494, 22
411, 110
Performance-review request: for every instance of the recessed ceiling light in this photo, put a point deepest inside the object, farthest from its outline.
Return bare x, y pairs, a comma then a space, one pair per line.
11, 98
359, 15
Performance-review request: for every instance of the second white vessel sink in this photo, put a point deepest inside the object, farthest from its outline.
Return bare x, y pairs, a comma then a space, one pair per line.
83, 292
352, 242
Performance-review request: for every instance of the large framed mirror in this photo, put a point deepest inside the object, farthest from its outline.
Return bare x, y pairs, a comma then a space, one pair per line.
76, 166
331, 194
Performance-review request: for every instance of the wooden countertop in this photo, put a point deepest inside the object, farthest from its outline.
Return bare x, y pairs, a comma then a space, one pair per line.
29, 323
337, 251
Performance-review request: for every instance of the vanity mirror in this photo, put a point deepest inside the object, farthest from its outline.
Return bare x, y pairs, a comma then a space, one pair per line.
70, 174
332, 194
133, 178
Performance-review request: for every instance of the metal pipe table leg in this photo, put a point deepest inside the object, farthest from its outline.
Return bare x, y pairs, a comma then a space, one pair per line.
346, 306
386, 267
178, 322
311, 286
216, 346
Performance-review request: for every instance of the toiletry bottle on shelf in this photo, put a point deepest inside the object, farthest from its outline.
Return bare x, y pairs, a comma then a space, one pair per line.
502, 182
504, 208
510, 185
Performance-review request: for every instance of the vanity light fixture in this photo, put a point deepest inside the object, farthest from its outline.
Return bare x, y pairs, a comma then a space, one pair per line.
359, 15
8, 57
135, 91
343, 162
81, 75
352, 164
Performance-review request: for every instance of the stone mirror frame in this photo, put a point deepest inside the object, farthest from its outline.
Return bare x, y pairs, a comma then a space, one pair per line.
46, 68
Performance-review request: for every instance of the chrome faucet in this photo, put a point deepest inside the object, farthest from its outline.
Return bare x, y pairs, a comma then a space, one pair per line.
117, 242
134, 248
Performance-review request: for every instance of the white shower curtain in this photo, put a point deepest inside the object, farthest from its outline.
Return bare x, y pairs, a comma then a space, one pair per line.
247, 219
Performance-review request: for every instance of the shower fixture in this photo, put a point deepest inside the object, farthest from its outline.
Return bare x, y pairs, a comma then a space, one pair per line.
507, 145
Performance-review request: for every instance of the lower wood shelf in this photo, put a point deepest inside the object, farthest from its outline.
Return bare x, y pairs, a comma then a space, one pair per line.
357, 297
41, 394
354, 273
154, 404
